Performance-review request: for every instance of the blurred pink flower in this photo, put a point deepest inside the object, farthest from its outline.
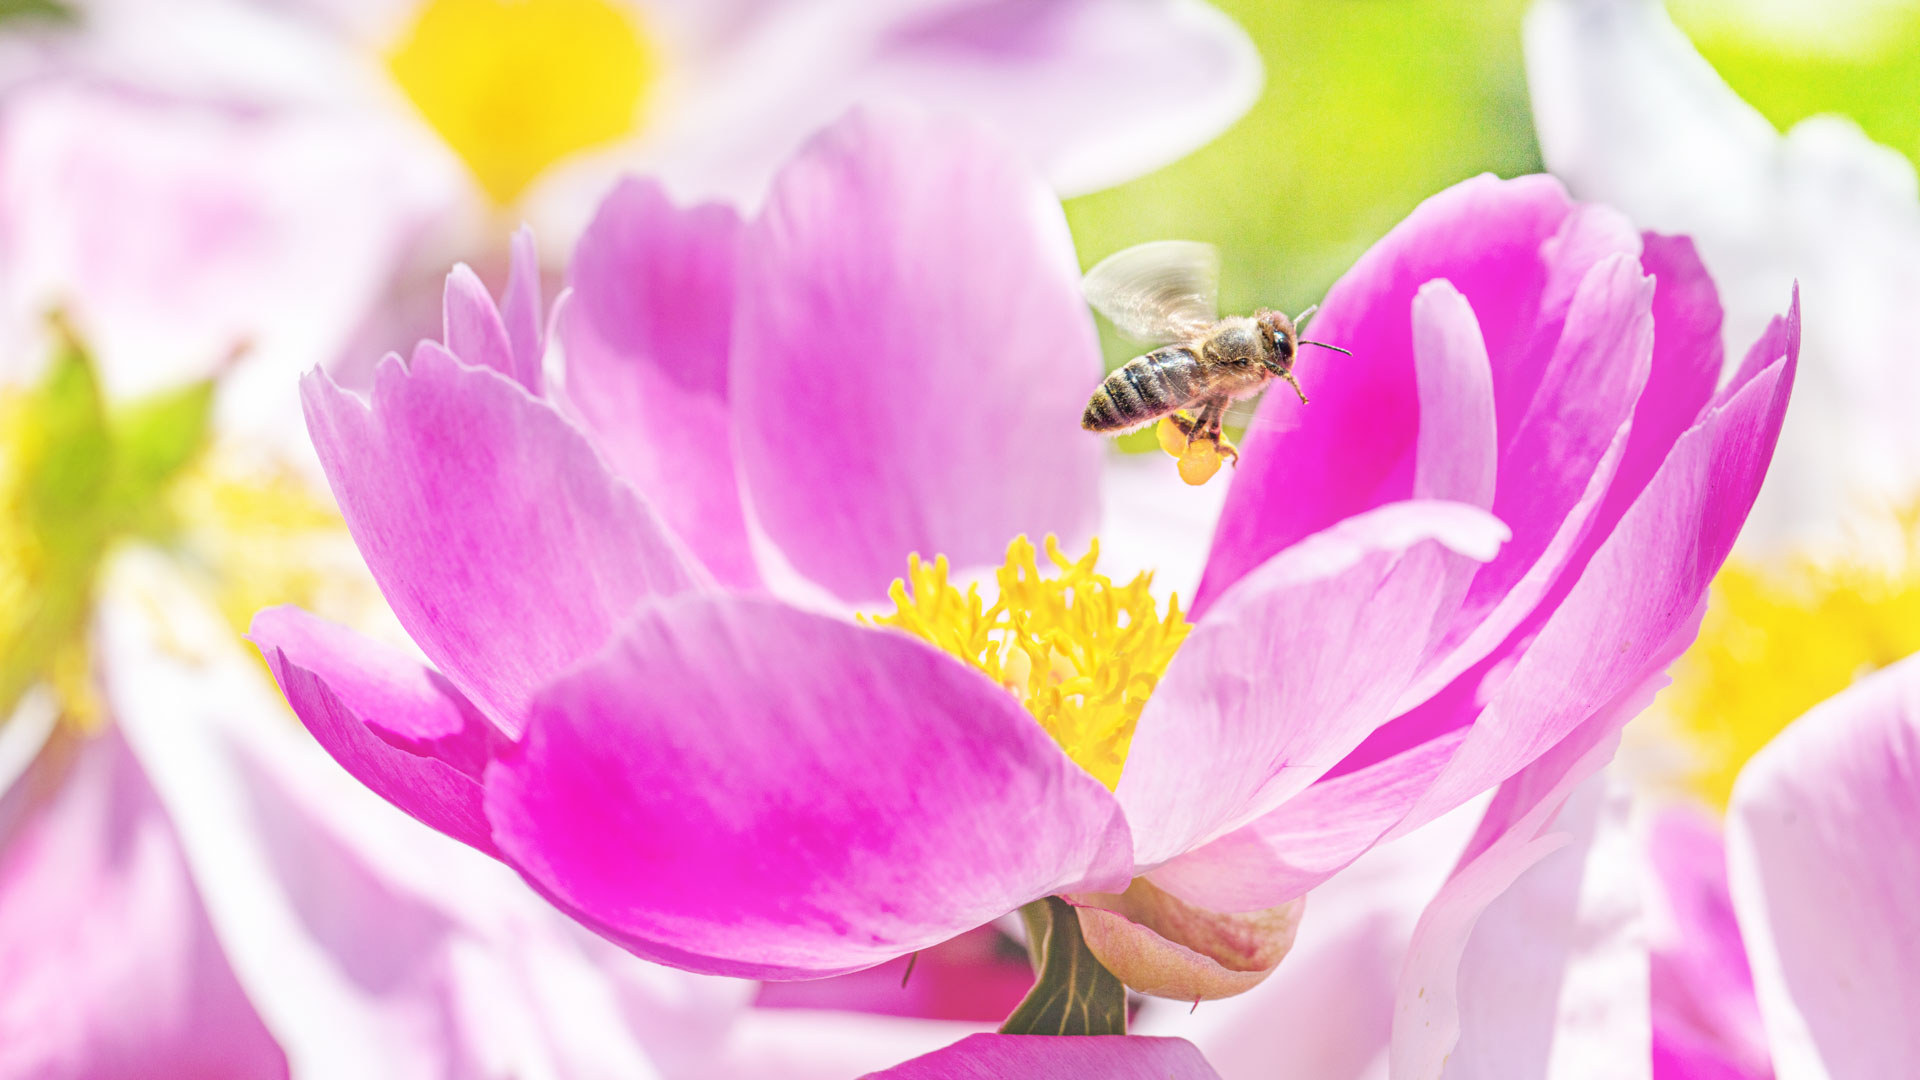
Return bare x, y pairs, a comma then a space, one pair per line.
630, 709
1791, 949
296, 176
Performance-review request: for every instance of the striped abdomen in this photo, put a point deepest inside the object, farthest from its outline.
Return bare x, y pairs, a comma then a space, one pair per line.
1145, 388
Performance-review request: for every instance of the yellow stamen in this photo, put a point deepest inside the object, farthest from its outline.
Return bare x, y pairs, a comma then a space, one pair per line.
1779, 640
1081, 653
516, 85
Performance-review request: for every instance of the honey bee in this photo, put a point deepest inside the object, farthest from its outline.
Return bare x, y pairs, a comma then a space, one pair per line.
1167, 293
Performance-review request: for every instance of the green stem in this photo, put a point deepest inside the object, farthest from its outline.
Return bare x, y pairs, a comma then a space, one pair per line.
1073, 992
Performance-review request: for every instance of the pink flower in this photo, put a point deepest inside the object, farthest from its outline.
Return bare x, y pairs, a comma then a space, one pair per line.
1790, 948
643, 696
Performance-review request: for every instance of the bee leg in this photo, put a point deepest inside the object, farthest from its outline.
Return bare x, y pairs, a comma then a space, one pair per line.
1295, 383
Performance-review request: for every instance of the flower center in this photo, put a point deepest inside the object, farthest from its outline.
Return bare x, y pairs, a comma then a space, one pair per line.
1081, 653
1778, 640
515, 85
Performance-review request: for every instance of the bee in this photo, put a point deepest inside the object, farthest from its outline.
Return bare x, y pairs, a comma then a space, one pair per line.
1167, 293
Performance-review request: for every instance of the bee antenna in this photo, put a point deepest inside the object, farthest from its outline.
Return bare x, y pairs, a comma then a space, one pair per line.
1300, 320
1324, 345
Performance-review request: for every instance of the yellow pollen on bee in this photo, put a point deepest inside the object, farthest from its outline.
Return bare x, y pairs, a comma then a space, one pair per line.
1081, 653
1173, 439
1200, 461
516, 85
1778, 640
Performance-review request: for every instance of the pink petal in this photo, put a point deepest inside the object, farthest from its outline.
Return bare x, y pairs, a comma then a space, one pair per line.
1634, 606
472, 328
1164, 947
1644, 589
1555, 977
396, 725
112, 967
1294, 666
1457, 452
910, 352
522, 312
1085, 1057
1309, 838
1436, 992
646, 341
1558, 461
1704, 1010
505, 547
742, 788
1824, 871
1351, 448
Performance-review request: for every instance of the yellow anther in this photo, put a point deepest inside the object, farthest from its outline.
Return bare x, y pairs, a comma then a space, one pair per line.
1102, 647
1779, 640
516, 85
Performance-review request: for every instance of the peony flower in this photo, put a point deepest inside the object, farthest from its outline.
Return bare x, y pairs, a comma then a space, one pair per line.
1630, 114
1791, 953
645, 694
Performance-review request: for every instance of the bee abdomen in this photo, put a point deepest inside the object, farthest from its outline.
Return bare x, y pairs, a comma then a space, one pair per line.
1144, 388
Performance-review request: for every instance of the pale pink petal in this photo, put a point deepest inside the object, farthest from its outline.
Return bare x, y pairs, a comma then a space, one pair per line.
471, 326
884, 404
1351, 448
1051, 1057
1310, 837
1824, 870
503, 544
396, 725
1554, 981
522, 311
1457, 454
1292, 668
646, 340
739, 787
112, 970
1162, 946
1434, 997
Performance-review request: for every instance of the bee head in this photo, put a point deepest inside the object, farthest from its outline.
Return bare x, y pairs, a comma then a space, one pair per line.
1282, 339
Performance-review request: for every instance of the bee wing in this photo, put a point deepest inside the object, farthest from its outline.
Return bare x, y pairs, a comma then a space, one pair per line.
1165, 290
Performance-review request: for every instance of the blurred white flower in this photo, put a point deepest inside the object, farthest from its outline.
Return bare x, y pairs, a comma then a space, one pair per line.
1629, 113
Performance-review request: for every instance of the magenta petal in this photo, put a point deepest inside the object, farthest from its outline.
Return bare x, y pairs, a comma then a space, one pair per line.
911, 355
396, 725
1824, 871
503, 544
646, 340
109, 967
1294, 666
1049, 1057
1635, 605
1351, 448
743, 788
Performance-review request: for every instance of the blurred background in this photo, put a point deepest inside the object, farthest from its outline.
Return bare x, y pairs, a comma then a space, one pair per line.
217, 196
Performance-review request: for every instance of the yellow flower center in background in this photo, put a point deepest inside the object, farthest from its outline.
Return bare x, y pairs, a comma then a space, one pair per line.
1778, 640
1081, 653
516, 85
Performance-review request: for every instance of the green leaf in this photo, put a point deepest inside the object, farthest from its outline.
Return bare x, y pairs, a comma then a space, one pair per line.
1074, 994
46, 11
154, 439
1368, 108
